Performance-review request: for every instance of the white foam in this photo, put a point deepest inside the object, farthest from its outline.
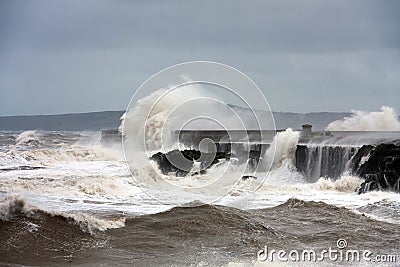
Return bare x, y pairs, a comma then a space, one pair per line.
147, 125
90, 223
85, 177
282, 149
12, 204
345, 183
27, 137
384, 120
18, 204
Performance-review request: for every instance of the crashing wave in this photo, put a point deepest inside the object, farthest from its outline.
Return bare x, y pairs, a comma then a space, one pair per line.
14, 206
384, 120
28, 138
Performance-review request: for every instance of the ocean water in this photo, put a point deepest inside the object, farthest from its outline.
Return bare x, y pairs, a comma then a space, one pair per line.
66, 199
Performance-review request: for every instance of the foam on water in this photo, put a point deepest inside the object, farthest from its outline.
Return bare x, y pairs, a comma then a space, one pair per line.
345, 183
17, 204
83, 180
28, 137
284, 182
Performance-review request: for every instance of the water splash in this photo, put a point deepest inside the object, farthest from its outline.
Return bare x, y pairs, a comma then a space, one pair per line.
384, 120
28, 137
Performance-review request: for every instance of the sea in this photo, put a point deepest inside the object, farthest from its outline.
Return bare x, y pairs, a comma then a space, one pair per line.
66, 199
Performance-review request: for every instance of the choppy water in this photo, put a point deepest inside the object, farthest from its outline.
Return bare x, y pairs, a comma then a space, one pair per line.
65, 199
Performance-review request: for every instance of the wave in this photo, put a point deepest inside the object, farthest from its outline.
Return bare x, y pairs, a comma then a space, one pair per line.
151, 119
28, 138
345, 183
383, 210
61, 185
149, 126
47, 156
384, 120
14, 207
30, 236
191, 234
282, 148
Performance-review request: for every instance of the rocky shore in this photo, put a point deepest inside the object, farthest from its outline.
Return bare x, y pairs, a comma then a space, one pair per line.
206, 160
379, 166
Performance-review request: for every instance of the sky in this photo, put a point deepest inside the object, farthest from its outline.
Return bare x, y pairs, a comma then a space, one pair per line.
306, 56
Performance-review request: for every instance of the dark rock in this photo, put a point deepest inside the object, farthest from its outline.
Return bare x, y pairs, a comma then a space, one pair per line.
166, 167
246, 177
382, 169
364, 151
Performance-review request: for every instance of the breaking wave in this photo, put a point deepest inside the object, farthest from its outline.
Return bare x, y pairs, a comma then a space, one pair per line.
384, 120
202, 234
14, 206
345, 183
282, 149
28, 137
153, 112
47, 156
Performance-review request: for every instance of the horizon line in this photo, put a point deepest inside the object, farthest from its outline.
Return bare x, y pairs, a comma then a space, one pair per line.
103, 111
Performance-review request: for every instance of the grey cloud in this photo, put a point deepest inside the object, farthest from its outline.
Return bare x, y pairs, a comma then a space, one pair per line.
70, 56
260, 25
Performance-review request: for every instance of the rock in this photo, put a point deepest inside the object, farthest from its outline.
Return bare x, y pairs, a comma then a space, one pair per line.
363, 152
382, 169
166, 167
246, 177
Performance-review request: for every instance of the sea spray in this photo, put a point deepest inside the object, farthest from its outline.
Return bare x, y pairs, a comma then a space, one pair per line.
13, 204
346, 183
28, 137
149, 127
383, 120
282, 149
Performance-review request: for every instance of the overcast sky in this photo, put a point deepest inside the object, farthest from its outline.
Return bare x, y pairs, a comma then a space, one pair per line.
79, 56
